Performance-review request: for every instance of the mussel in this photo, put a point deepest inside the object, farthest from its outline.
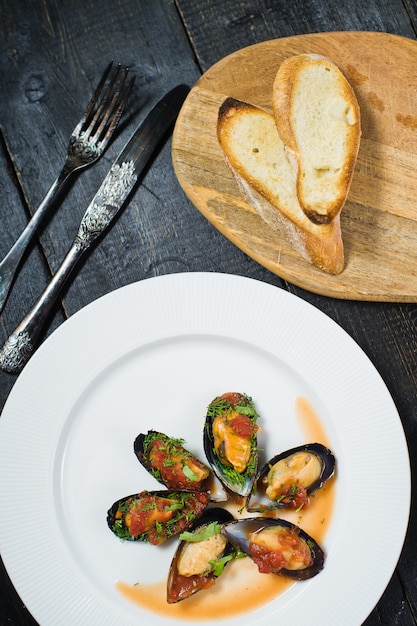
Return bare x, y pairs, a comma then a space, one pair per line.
171, 464
153, 516
276, 546
289, 478
230, 441
200, 557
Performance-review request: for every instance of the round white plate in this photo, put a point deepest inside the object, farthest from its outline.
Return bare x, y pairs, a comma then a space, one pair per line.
153, 355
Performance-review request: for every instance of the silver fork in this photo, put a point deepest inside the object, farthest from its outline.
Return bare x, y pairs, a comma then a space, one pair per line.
87, 143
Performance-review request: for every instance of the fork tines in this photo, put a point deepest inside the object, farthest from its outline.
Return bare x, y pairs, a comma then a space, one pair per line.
99, 122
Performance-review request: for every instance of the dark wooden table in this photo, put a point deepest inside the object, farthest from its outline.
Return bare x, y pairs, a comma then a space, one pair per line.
52, 54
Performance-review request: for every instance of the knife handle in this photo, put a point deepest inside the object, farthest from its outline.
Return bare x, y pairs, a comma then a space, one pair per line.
21, 344
113, 192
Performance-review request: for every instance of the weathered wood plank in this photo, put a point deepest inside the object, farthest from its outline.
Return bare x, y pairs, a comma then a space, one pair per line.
235, 24
34, 271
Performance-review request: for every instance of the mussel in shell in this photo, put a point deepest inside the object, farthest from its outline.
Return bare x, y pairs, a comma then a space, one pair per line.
172, 465
169, 462
230, 441
276, 546
153, 516
200, 557
289, 478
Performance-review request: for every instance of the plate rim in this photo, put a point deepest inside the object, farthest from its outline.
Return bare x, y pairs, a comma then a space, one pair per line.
176, 285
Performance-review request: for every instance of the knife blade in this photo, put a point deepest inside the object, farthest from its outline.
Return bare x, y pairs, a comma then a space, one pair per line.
110, 198
128, 166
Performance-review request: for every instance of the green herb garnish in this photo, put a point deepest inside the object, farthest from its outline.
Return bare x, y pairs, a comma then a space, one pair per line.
201, 534
189, 474
218, 566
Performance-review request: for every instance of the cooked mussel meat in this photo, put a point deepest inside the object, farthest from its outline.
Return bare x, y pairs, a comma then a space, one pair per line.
200, 557
276, 546
169, 462
230, 440
289, 479
153, 516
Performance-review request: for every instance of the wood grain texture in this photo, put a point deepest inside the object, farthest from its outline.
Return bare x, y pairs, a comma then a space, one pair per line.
379, 220
217, 29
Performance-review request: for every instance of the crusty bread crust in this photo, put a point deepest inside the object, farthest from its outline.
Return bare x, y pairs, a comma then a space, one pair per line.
318, 119
256, 156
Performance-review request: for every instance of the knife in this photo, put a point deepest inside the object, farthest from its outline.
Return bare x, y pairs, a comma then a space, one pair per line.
106, 204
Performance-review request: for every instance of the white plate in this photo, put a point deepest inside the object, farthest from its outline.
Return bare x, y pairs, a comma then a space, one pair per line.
153, 355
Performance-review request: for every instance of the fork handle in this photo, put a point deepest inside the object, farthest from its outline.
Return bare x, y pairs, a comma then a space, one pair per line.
21, 344
11, 262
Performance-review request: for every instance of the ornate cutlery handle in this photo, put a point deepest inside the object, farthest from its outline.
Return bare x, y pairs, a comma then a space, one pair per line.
21, 344
10, 263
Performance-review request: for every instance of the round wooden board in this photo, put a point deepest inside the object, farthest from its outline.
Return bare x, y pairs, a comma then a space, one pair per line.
379, 220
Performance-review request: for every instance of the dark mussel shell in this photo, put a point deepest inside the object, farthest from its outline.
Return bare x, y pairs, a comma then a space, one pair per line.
289, 478
230, 441
191, 570
153, 516
172, 465
294, 555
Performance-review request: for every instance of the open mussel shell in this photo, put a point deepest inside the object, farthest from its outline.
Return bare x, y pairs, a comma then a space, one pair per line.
230, 441
193, 566
290, 478
175, 467
277, 546
154, 516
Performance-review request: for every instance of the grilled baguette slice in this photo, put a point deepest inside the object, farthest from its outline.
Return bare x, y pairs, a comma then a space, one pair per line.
318, 119
256, 155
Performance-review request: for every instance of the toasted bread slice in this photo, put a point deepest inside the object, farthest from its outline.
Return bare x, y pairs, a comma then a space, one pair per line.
318, 119
256, 155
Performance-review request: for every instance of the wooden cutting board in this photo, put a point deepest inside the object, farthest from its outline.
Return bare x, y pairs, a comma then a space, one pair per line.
379, 220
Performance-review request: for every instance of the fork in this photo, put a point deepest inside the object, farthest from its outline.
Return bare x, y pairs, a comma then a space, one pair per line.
87, 143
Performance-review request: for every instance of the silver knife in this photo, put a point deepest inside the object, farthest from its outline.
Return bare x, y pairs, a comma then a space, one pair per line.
106, 204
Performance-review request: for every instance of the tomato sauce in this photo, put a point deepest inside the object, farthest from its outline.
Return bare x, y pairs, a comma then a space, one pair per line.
288, 552
185, 586
146, 513
170, 459
243, 426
